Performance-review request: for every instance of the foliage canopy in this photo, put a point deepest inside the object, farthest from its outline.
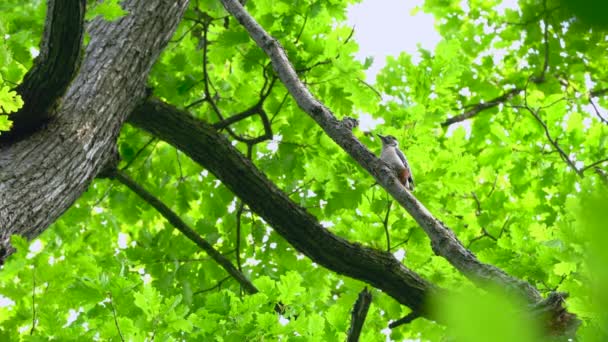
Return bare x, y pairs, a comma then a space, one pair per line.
522, 182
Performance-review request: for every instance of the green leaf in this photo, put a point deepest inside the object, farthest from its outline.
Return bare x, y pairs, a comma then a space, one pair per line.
110, 10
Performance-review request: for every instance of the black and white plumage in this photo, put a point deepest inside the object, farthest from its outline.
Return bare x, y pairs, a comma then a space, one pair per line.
396, 160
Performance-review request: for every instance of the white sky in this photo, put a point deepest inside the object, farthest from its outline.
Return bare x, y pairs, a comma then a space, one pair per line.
386, 27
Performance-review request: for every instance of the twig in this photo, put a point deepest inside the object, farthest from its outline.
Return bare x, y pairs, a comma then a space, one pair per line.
478, 210
216, 286
402, 242
115, 318
597, 111
543, 73
150, 141
239, 214
504, 226
405, 320
385, 224
478, 108
552, 141
358, 315
302, 28
33, 301
598, 92
237, 117
493, 187
190, 233
553, 289
594, 164
371, 87
297, 189
603, 175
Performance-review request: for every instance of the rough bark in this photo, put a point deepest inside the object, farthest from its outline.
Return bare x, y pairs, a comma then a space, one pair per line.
201, 142
41, 176
54, 68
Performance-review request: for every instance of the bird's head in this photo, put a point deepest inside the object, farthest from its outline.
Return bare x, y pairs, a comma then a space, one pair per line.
388, 140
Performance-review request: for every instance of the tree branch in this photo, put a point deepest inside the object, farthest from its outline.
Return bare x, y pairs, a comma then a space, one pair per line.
443, 240
385, 224
552, 141
358, 315
478, 108
597, 111
34, 319
598, 92
42, 176
405, 320
239, 214
594, 164
180, 225
213, 151
53, 69
216, 286
114, 315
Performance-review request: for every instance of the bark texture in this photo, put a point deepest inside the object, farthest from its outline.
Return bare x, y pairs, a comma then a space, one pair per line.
54, 68
41, 176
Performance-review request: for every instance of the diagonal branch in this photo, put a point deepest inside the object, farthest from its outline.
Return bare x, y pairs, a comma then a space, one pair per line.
552, 141
212, 150
478, 108
180, 225
53, 69
404, 320
597, 111
443, 240
111, 302
598, 92
594, 164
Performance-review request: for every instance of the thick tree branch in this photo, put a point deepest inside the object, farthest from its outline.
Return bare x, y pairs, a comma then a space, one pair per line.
358, 315
202, 143
443, 240
53, 69
42, 176
180, 225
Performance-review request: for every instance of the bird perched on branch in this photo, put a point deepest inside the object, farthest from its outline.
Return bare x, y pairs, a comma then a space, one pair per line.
396, 160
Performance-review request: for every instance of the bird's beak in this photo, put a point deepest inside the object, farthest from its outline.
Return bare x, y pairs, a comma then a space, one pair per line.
380, 136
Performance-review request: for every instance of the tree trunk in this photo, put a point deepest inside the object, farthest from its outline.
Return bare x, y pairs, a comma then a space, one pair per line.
41, 176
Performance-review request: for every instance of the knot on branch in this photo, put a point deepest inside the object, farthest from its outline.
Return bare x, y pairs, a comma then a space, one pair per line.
552, 310
350, 123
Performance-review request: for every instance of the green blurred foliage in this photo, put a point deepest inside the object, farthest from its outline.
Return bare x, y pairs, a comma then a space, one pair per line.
112, 265
478, 317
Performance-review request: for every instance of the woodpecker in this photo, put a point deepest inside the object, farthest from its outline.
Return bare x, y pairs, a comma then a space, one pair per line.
396, 160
